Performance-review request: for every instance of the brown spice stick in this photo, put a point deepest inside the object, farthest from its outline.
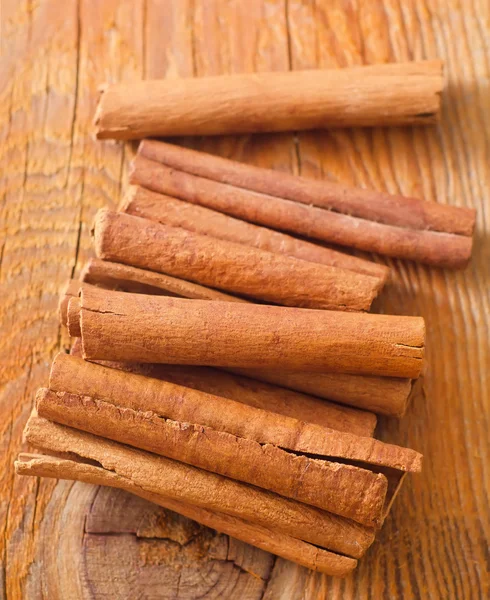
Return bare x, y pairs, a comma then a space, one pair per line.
131, 279
142, 202
207, 490
383, 395
230, 266
137, 328
430, 247
345, 490
371, 205
271, 541
394, 94
254, 393
264, 396
186, 405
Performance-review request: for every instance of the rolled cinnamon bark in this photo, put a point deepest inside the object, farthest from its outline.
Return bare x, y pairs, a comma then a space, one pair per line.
142, 202
140, 281
229, 266
383, 395
186, 405
154, 474
342, 489
137, 328
254, 393
372, 205
393, 94
430, 247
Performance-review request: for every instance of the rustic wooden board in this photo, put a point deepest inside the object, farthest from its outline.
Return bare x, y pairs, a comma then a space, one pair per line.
60, 540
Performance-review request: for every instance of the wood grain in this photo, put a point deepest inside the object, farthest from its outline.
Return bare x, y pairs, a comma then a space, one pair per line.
53, 56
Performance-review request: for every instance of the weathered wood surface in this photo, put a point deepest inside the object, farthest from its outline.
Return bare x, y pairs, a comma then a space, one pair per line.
59, 540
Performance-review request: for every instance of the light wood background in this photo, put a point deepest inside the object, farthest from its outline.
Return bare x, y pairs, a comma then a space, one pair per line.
74, 541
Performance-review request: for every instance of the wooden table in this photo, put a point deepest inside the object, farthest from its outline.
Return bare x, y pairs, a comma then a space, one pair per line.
74, 541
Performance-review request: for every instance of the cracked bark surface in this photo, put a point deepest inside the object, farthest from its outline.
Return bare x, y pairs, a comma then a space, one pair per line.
59, 540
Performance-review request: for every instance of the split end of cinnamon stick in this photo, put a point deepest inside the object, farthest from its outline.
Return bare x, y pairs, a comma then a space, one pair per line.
73, 317
70, 291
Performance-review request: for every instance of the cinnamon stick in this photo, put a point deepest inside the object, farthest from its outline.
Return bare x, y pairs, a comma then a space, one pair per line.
372, 205
255, 393
282, 545
336, 225
168, 478
393, 94
140, 281
342, 489
229, 266
383, 395
142, 202
186, 405
137, 328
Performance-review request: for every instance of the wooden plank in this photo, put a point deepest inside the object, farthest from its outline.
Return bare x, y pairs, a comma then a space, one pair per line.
53, 57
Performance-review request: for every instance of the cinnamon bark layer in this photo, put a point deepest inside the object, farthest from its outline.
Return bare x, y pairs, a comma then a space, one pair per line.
229, 266
383, 395
142, 202
140, 281
70, 290
435, 248
372, 205
388, 94
73, 317
154, 474
342, 489
186, 405
137, 328
254, 393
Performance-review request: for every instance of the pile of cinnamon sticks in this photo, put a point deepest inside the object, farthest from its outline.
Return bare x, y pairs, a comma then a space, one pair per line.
230, 371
